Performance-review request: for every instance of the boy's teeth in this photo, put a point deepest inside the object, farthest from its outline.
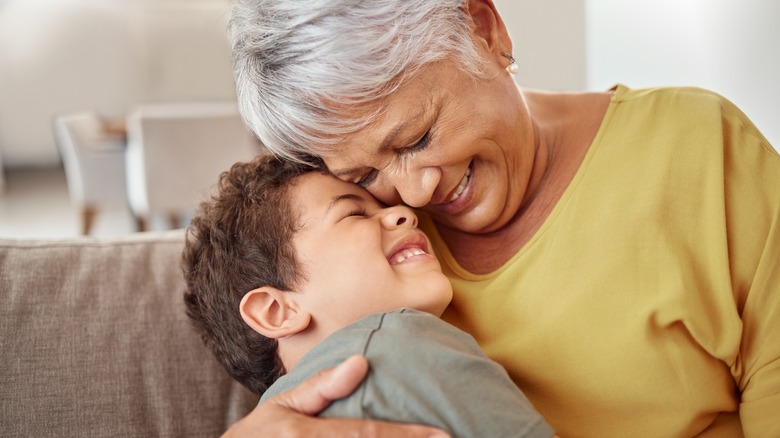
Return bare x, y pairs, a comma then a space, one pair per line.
462, 186
408, 253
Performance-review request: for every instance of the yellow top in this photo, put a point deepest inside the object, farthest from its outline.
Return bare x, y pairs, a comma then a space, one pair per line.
648, 303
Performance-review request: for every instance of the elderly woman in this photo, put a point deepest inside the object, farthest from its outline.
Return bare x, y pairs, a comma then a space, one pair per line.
618, 252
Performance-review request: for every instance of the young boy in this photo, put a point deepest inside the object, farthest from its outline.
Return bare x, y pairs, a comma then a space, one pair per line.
290, 271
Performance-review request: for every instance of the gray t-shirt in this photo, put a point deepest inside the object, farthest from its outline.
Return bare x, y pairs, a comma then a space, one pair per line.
423, 371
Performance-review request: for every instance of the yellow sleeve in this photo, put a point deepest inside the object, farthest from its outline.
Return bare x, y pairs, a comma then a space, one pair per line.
752, 192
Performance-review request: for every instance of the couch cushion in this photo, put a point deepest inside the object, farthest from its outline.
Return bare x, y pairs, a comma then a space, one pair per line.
94, 341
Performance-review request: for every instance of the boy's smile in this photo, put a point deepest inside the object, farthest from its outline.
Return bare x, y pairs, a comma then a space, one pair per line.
359, 257
405, 249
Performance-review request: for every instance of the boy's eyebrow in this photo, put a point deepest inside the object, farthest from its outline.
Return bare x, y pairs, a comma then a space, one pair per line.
344, 197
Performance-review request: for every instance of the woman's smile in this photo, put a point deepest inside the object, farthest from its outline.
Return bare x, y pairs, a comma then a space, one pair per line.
461, 196
461, 186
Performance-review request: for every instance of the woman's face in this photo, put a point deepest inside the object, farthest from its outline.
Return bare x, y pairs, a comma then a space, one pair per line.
457, 147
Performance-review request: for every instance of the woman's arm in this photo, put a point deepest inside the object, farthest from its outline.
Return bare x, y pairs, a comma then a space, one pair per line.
290, 414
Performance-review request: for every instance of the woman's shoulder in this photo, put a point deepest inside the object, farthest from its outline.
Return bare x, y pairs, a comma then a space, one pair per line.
698, 109
675, 101
682, 93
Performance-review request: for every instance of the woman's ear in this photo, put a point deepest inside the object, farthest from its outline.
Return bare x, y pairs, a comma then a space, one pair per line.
489, 26
273, 313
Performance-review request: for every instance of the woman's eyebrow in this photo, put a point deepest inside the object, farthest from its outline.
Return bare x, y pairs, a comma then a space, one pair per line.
393, 133
385, 145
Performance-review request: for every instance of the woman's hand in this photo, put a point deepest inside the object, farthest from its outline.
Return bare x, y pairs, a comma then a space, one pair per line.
290, 414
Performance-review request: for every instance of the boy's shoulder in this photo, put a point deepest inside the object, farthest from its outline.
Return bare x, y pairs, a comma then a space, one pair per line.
404, 332
403, 319
404, 329
412, 329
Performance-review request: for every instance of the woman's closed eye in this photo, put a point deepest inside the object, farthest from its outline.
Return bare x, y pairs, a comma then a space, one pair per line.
366, 180
421, 144
405, 152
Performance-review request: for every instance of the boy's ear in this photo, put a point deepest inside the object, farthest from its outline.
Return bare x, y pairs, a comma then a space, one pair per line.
489, 26
273, 313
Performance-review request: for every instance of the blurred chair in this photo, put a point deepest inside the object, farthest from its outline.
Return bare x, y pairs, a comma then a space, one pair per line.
94, 162
175, 154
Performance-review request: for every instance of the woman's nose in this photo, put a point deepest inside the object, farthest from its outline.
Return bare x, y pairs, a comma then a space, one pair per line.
399, 216
416, 186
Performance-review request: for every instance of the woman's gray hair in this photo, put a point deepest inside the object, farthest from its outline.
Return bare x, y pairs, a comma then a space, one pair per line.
300, 66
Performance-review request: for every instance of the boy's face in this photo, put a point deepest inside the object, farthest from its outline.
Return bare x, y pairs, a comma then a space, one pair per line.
359, 257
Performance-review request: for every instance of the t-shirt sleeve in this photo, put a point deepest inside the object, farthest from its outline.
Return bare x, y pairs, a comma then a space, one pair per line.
752, 196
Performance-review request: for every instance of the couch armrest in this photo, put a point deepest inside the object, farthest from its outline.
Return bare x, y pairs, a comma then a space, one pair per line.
95, 342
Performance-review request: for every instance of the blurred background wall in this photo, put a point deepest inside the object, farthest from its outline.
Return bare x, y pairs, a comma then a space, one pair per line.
727, 46
59, 56
731, 47
109, 55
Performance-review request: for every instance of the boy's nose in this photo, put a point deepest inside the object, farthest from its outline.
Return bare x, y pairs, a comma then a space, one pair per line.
399, 216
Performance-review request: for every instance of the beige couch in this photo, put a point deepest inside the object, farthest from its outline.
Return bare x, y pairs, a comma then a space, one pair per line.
94, 341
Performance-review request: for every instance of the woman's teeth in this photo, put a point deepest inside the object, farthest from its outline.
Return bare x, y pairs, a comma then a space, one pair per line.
404, 254
462, 186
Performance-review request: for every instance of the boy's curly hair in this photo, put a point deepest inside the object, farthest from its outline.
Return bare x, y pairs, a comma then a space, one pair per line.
239, 240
